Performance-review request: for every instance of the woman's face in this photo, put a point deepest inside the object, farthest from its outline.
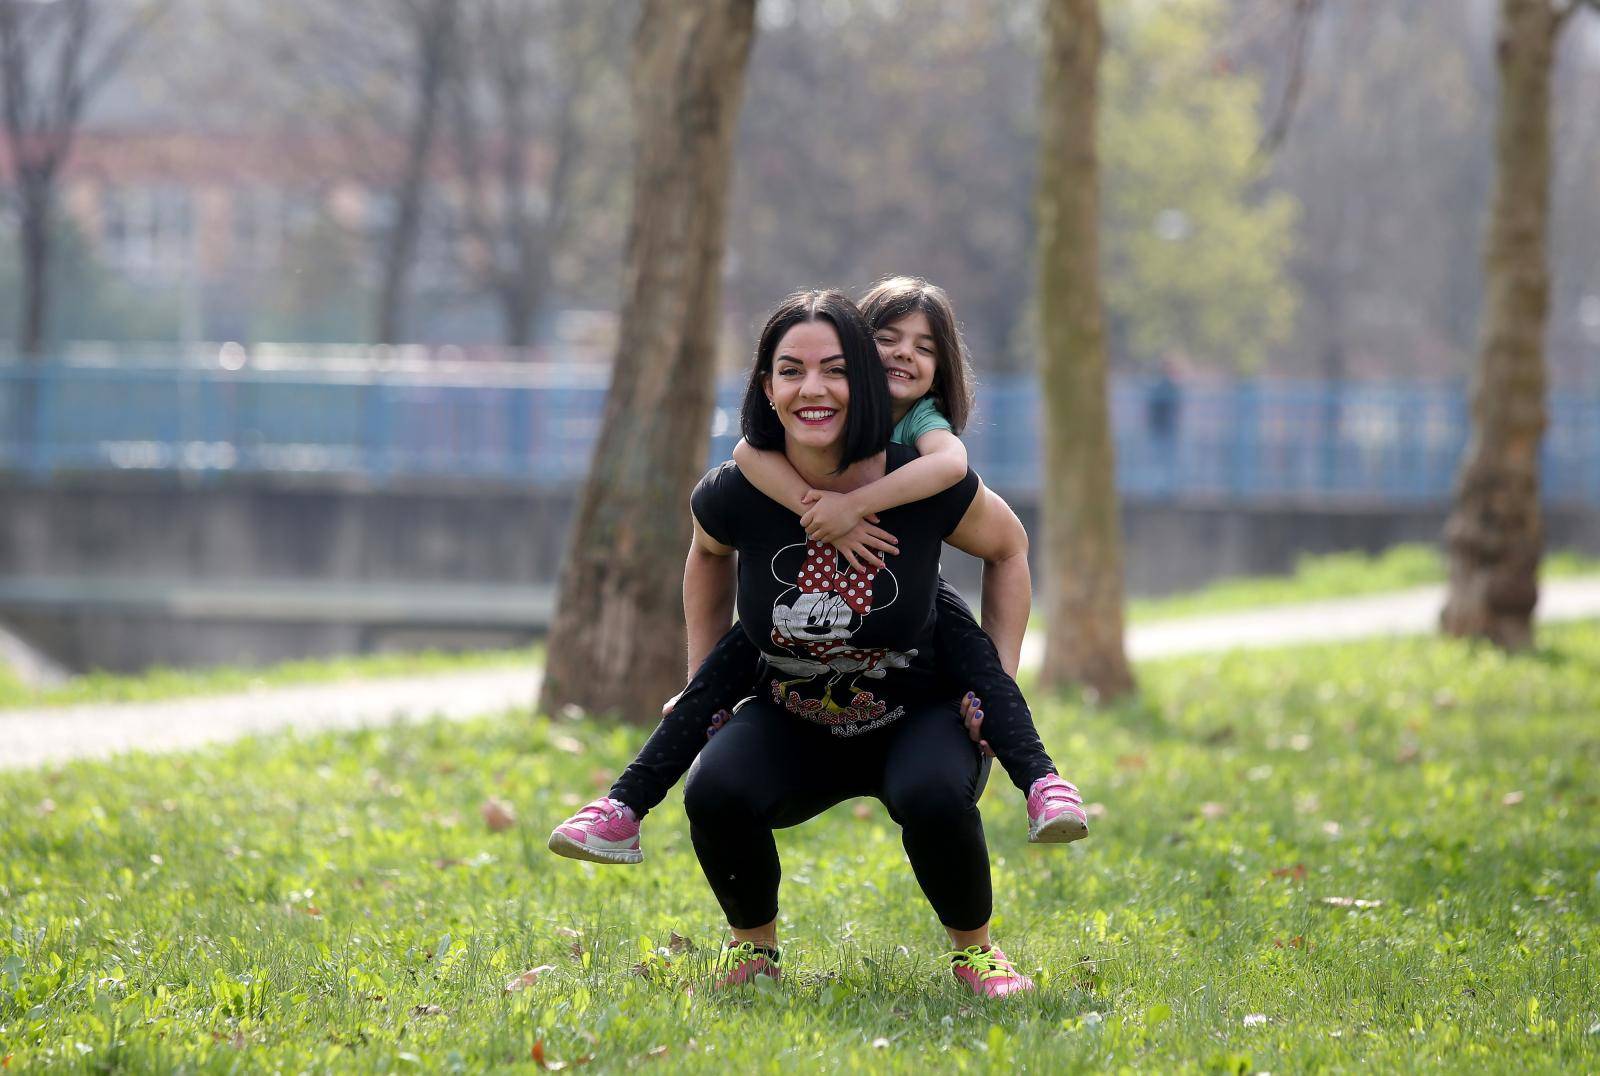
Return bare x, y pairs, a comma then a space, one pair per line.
906, 350
808, 386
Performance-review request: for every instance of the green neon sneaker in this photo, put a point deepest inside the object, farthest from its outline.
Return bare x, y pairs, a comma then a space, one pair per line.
741, 962
987, 972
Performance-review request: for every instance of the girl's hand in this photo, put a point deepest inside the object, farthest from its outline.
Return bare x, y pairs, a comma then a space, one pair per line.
866, 545
972, 717
831, 516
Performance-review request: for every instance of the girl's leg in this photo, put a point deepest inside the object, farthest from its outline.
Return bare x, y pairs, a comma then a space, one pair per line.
764, 770
971, 663
931, 778
726, 676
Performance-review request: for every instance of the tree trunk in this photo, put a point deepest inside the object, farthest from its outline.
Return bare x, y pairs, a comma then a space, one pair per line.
433, 30
1495, 532
35, 228
617, 644
1083, 530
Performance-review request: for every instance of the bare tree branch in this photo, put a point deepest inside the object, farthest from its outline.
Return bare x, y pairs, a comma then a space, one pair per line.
1305, 12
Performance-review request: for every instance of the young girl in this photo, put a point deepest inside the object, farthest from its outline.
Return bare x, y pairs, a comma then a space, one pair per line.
930, 385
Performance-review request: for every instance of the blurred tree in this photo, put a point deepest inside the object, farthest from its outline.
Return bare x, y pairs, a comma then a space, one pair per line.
530, 68
1495, 532
54, 58
430, 28
1083, 531
926, 165
617, 642
1195, 253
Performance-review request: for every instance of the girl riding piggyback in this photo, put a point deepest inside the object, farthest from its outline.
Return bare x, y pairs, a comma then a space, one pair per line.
930, 387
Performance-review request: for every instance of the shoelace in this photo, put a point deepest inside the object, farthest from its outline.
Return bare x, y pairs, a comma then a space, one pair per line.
734, 957
986, 964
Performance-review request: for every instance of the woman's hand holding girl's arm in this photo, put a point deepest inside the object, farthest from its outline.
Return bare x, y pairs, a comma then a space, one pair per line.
772, 474
992, 532
708, 586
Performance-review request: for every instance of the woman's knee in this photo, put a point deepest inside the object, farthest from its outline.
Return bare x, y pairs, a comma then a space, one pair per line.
713, 792
931, 801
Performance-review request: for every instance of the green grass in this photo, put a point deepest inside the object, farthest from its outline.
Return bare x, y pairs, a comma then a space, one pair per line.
337, 903
161, 683
1334, 575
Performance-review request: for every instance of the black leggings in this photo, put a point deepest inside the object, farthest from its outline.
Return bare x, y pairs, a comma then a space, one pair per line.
767, 769
732, 671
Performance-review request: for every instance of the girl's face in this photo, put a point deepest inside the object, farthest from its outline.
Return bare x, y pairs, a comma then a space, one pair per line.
808, 386
906, 349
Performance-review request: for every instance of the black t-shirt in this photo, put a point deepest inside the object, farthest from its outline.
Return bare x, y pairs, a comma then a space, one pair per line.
850, 651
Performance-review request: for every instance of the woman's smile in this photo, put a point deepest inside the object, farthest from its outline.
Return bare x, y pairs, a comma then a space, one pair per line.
808, 387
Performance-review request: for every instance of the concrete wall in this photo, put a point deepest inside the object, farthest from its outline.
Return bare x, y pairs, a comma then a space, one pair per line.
299, 534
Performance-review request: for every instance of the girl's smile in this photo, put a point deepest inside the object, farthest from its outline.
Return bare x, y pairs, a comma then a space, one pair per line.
905, 348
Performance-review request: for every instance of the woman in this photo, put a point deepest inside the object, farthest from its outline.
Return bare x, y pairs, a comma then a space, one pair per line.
850, 704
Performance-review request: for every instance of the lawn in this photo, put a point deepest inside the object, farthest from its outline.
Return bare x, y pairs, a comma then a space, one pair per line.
1328, 576
164, 683
1373, 856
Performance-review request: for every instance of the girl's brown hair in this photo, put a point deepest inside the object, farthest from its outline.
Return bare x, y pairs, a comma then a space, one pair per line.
891, 299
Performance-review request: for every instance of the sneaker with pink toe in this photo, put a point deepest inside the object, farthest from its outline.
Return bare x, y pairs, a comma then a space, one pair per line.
1055, 812
988, 973
743, 962
605, 831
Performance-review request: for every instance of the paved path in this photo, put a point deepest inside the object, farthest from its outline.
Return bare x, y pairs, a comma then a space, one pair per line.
33, 737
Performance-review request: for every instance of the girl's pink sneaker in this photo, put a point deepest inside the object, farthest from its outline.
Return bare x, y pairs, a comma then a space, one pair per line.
987, 972
605, 831
1055, 812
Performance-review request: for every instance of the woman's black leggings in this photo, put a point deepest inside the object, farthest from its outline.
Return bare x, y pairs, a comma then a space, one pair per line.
767, 769
967, 658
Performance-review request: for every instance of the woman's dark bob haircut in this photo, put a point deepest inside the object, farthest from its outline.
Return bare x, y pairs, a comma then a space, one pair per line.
867, 420
895, 297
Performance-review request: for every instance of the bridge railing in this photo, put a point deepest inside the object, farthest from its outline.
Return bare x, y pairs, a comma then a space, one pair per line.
534, 424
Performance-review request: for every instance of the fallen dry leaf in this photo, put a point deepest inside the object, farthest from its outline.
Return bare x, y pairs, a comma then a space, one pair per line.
1296, 942
528, 978
313, 911
1296, 872
426, 1010
657, 1051
1511, 799
1132, 762
1350, 902
568, 932
498, 815
679, 944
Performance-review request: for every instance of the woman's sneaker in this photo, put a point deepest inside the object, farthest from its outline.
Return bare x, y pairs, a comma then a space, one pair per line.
605, 831
987, 972
1055, 812
741, 962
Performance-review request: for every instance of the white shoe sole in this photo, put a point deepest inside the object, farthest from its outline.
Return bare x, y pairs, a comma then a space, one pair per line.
1061, 829
562, 845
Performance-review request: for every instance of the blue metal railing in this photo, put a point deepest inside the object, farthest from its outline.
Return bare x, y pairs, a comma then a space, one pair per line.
534, 425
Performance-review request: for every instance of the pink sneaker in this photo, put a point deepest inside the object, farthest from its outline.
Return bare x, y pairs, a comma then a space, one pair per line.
1055, 812
988, 972
605, 831
740, 963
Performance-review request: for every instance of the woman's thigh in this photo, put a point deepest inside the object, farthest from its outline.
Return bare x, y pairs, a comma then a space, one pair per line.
930, 763
767, 763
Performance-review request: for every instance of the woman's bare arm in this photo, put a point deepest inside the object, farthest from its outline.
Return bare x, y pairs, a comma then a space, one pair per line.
992, 532
708, 588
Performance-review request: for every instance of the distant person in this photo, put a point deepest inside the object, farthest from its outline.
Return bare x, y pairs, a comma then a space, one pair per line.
863, 679
1163, 398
